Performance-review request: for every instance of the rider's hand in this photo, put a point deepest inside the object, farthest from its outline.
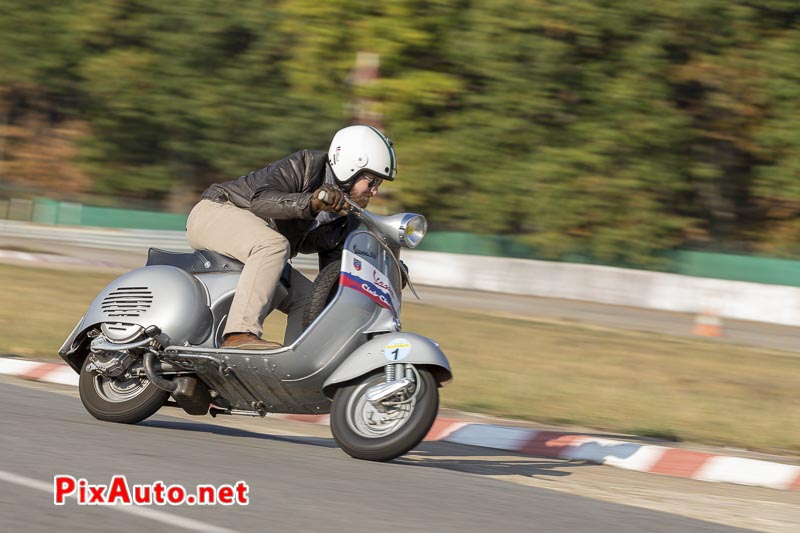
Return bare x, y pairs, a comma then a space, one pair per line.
334, 200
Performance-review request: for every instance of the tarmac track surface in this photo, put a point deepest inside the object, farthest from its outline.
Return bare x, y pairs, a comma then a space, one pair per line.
296, 483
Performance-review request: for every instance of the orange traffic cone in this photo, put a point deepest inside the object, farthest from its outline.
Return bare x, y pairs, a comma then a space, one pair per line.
708, 323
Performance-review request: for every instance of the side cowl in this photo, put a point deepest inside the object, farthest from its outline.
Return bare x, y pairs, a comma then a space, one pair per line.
158, 295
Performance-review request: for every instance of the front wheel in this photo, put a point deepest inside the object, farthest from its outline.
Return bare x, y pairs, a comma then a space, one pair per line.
126, 401
386, 431
322, 292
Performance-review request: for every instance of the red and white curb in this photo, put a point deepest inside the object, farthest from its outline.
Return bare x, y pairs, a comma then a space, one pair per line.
50, 372
676, 462
702, 466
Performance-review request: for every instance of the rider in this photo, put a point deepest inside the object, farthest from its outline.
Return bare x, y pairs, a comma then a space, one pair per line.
272, 214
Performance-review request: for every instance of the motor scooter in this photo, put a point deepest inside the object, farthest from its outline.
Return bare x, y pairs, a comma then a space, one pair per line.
156, 332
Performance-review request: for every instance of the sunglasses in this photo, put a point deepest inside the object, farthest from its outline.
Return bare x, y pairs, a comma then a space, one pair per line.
374, 182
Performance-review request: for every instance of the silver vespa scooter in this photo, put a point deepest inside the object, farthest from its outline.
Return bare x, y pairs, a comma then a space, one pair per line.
156, 332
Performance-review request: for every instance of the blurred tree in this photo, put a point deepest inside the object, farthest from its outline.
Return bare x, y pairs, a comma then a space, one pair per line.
563, 133
600, 130
190, 92
39, 96
777, 142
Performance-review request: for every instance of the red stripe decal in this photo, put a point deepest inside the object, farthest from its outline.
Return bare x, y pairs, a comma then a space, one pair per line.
550, 443
347, 281
680, 463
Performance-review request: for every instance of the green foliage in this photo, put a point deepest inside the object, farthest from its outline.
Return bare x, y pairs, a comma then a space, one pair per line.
609, 131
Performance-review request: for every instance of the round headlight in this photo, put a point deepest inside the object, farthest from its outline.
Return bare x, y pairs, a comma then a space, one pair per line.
413, 230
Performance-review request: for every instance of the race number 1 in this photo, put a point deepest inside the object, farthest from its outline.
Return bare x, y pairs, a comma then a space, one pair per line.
397, 349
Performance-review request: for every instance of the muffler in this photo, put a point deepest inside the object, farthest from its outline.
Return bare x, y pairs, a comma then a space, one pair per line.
190, 393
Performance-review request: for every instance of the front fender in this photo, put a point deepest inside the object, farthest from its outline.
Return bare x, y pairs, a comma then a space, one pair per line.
400, 347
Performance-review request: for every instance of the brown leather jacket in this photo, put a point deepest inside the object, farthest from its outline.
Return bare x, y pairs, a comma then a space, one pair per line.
280, 193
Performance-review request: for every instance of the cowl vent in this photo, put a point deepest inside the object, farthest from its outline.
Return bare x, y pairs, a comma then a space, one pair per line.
127, 302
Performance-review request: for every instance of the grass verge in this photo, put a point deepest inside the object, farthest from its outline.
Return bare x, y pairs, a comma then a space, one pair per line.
550, 372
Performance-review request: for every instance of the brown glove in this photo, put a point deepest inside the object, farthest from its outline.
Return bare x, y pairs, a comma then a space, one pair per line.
333, 200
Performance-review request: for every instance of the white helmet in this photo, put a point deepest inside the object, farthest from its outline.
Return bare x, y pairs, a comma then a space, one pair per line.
356, 149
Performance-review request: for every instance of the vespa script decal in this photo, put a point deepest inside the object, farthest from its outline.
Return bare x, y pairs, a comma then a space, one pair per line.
378, 280
367, 253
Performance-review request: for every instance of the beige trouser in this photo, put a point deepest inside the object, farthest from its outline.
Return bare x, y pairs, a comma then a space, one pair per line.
238, 233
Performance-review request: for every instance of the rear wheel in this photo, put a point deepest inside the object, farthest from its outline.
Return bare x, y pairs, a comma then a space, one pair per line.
382, 433
126, 401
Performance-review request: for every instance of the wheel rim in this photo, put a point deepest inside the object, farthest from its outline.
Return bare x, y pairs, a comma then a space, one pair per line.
367, 421
118, 391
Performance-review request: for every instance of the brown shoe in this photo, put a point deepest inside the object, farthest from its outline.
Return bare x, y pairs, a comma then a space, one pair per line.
248, 341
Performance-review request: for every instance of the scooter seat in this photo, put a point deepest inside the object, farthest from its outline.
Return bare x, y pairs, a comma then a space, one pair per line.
194, 262
201, 261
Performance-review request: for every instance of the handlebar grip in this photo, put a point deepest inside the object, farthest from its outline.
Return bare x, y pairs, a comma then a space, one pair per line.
325, 198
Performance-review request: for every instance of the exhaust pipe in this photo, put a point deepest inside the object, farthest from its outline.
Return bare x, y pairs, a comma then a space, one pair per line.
155, 379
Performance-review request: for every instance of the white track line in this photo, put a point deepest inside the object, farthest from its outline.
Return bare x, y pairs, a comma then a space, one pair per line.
143, 512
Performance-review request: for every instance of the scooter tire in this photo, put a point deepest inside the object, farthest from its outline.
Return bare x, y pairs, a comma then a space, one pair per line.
322, 292
97, 395
393, 445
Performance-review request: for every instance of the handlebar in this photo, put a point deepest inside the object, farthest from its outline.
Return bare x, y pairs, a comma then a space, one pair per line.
383, 226
354, 207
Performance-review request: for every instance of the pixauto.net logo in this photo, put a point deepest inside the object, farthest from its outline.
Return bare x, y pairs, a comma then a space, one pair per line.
119, 491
